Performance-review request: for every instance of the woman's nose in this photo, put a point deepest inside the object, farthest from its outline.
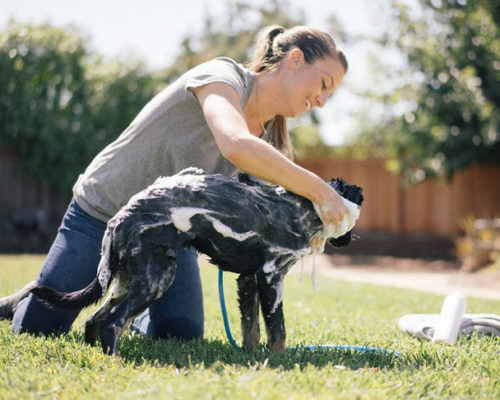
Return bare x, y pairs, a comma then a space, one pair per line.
321, 99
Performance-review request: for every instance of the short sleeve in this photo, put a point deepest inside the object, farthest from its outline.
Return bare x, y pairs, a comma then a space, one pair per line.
220, 69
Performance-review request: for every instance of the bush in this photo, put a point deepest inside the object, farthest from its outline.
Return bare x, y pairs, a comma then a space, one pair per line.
61, 104
479, 246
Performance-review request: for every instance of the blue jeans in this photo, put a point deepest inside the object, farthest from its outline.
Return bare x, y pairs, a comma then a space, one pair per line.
71, 264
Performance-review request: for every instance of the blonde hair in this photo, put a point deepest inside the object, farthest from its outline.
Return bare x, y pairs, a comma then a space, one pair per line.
272, 45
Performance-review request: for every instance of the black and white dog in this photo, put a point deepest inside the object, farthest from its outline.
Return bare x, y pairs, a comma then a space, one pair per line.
253, 229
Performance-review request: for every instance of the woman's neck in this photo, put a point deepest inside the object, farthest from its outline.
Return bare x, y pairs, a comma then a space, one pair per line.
259, 109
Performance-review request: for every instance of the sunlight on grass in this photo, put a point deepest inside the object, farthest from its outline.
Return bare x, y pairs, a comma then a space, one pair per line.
339, 313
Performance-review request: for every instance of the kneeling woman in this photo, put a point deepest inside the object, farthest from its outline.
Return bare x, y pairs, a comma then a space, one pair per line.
219, 116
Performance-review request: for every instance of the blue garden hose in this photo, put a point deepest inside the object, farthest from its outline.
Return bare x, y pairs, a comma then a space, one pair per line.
224, 312
367, 349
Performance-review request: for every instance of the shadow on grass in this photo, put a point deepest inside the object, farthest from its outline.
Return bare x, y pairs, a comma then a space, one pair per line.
140, 350
189, 354
215, 354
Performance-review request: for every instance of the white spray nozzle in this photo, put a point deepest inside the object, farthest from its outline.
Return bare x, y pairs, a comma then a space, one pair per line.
450, 319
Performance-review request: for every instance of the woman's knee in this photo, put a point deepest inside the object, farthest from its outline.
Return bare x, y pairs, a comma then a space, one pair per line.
179, 312
33, 317
70, 265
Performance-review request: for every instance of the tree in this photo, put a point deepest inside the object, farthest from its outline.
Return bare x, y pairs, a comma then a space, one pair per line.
59, 104
43, 101
449, 89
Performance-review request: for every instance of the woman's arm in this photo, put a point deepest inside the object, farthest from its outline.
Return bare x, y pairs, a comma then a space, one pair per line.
222, 110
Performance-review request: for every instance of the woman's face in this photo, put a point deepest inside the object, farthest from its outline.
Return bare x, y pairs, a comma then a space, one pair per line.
309, 85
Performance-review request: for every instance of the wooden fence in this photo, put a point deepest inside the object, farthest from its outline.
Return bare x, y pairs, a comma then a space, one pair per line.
433, 206
30, 212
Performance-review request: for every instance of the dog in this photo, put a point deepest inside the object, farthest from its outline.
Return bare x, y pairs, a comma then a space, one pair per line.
245, 226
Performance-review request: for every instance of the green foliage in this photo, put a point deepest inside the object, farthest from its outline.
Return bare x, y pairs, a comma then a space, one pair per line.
338, 313
43, 102
479, 245
59, 104
449, 88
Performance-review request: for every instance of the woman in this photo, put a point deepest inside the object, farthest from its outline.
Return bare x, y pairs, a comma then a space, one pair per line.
219, 116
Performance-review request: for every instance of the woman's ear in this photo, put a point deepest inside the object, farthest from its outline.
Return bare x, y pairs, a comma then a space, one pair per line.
295, 57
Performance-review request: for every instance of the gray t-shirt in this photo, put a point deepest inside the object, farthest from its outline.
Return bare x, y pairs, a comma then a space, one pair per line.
169, 134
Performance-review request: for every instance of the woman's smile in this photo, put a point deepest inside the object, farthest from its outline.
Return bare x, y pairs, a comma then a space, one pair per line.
308, 105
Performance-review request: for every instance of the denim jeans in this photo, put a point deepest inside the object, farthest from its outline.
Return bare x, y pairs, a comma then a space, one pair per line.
71, 264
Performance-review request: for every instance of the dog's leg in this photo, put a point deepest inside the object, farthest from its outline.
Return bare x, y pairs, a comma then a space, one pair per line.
248, 298
93, 324
148, 282
115, 323
270, 287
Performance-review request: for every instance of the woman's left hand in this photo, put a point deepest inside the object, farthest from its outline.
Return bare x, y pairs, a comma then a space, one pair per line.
330, 207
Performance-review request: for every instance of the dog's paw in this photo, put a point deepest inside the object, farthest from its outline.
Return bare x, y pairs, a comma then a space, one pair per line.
251, 340
276, 347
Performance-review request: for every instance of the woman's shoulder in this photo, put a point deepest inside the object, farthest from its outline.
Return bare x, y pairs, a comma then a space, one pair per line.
225, 60
222, 69
225, 64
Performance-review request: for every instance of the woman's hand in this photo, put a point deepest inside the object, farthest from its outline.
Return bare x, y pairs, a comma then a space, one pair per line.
330, 207
331, 210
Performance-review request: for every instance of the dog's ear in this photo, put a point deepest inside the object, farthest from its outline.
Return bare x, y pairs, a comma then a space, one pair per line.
350, 192
243, 177
341, 241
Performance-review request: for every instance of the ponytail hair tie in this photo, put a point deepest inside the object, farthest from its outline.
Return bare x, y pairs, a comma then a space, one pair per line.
270, 39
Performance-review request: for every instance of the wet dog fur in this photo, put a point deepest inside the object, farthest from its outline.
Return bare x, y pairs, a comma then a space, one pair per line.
247, 227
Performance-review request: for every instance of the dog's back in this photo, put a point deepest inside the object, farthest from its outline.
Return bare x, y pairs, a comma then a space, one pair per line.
241, 224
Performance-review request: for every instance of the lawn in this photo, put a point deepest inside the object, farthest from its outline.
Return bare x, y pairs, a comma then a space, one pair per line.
338, 313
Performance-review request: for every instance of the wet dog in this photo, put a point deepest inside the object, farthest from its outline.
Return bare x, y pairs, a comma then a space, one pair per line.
251, 228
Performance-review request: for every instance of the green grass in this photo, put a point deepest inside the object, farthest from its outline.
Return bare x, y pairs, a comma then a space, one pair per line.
339, 313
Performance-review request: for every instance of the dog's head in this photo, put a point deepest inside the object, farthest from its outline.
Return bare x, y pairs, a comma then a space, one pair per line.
352, 193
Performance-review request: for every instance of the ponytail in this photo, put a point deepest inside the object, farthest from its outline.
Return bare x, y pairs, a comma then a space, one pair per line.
264, 58
263, 53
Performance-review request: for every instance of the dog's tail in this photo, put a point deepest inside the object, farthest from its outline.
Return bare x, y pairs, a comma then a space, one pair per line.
69, 301
90, 294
